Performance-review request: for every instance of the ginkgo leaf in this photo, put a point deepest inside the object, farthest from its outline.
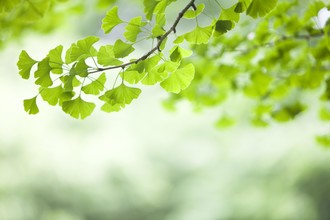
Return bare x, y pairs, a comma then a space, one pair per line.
51, 95
30, 106
155, 75
149, 6
25, 63
55, 59
223, 26
132, 76
122, 49
106, 56
259, 8
229, 14
178, 53
157, 31
180, 79
190, 14
82, 49
42, 74
121, 95
81, 68
111, 20
112, 108
96, 86
133, 28
69, 81
78, 108
200, 35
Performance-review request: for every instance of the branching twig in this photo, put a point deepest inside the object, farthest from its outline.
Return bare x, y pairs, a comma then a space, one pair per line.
155, 48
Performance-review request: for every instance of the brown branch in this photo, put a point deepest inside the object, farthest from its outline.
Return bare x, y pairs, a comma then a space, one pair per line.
155, 48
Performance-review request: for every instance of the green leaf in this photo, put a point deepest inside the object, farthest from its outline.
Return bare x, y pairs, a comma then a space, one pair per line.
225, 122
132, 76
133, 29
155, 75
223, 26
96, 86
259, 8
55, 59
30, 106
82, 49
229, 14
81, 68
25, 63
180, 79
43, 73
191, 13
52, 95
200, 35
70, 80
149, 7
122, 49
111, 20
323, 140
121, 95
157, 31
178, 53
106, 56
112, 108
78, 108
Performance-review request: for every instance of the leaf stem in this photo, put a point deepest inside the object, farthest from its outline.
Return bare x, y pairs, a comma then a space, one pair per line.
155, 48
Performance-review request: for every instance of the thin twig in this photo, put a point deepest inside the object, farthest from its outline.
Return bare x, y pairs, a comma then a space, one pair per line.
155, 48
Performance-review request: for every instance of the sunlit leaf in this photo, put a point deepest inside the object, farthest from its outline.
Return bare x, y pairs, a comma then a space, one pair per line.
30, 106
180, 79
259, 8
122, 49
111, 20
78, 108
200, 35
42, 74
106, 56
133, 28
96, 86
55, 59
25, 63
190, 14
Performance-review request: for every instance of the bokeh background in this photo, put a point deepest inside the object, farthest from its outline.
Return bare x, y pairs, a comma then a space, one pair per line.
147, 163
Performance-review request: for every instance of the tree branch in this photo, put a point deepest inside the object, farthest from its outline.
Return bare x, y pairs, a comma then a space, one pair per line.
155, 48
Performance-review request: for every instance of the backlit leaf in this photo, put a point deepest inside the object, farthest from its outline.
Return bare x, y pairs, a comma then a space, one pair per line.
122, 49
30, 106
180, 79
25, 64
78, 108
200, 35
106, 56
55, 59
190, 14
259, 8
121, 95
43, 73
51, 95
133, 29
111, 20
96, 86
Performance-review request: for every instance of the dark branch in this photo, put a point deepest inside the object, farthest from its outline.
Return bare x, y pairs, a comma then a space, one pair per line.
159, 43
